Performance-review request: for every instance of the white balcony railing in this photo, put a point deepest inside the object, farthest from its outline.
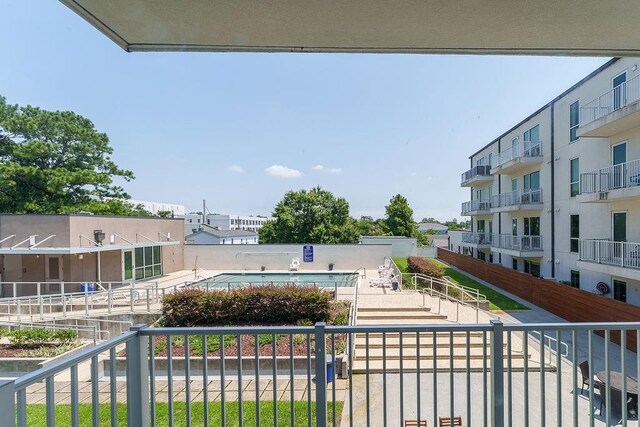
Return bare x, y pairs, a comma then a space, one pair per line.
526, 149
518, 243
516, 198
483, 170
477, 238
621, 254
618, 97
142, 387
476, 206
610, 178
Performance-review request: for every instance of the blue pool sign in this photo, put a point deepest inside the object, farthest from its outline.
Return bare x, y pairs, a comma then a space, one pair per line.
307, 253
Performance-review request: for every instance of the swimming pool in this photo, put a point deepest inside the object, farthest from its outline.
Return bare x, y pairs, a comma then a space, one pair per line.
278, 279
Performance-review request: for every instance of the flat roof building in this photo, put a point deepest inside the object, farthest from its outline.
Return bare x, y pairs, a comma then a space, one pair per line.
86, 248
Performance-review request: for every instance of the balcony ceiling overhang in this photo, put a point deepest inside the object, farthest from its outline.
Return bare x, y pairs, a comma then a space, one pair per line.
570, 27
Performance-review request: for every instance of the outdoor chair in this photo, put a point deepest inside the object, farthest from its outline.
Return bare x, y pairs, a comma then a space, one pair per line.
415, 423
450, 422
586, 374
616, 399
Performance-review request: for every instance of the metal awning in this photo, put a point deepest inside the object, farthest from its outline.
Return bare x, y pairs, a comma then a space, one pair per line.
542, 27
79, 249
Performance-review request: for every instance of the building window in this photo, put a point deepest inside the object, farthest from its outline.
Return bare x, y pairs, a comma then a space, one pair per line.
575, 233
148, 262
575, 279
575, 177
620, 290
574, 121
532, 226
531, 181
532, 135
532, 267
514, 226
514, 263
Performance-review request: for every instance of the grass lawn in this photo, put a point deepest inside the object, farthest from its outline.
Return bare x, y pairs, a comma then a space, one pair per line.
498, 300
36, 414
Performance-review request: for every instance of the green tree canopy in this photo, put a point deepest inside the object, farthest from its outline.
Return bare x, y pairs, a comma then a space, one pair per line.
399, 217
367, 226
313, 216
57, 162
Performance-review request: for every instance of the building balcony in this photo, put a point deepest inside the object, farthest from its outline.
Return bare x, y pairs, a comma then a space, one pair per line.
519, 200
477, 240
476, 175
476, 207
611, 183
523, 246
521, 156
612, 112
614, 258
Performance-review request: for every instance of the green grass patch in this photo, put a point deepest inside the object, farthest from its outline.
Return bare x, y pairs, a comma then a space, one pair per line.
498, 301
36, 414
402, 264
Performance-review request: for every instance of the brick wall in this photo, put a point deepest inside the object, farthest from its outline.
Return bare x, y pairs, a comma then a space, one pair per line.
571, 304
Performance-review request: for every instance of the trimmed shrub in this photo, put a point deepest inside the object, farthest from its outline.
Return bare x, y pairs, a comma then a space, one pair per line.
251, 305
40, 336
425, 266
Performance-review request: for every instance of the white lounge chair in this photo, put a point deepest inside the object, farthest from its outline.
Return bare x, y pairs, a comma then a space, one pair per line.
385, 266
295, 264
381, 282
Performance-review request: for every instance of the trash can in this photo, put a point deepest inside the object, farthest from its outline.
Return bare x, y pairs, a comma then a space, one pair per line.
86, 287
394, 285
330, 368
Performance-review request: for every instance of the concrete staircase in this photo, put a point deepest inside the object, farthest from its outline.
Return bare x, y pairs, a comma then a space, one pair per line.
460, 351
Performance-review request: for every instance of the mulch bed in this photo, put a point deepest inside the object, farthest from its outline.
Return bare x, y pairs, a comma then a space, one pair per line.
7, 350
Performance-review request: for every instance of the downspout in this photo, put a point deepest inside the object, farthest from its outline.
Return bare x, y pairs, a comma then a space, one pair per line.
499, 214
553, 195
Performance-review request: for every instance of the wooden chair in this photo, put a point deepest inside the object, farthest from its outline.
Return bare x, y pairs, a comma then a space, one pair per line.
415, 423
448, 422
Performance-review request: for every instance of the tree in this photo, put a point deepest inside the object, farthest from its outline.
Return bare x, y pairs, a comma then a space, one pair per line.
165, 214
367, 226
57, 162
313, 216
399, 217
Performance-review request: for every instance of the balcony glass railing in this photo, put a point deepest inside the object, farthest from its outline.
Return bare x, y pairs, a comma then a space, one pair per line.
317, 375
482, 171
518, 243
526, 149
621, 254
477, 238
618, 97
624, 175
476, 206
516, 198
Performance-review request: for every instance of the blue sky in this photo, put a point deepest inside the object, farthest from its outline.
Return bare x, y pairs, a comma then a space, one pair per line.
242, 129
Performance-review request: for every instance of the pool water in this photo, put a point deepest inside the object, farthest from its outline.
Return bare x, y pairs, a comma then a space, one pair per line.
279, 279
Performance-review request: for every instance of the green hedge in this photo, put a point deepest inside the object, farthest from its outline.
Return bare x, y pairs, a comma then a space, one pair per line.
425, 266
251, 305
40, 336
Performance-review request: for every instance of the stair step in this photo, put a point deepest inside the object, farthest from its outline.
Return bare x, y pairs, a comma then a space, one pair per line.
402, 315
423, 335
429, 345
398, 309
428, 355
422, 320
426, 366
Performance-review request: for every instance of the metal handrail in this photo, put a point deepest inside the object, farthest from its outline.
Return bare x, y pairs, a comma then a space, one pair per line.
524, 149
610, 101
623, 175
93, 330
396, 271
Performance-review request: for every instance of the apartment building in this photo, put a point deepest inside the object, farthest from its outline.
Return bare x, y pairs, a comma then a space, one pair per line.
558, 194
224, 222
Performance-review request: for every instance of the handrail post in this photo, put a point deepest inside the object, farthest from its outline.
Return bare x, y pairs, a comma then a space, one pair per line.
64, 300
497, 374
321, 375
40, 303
8, 402
138, 378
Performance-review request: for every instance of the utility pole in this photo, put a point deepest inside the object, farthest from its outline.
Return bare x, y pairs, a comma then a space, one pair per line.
204, 211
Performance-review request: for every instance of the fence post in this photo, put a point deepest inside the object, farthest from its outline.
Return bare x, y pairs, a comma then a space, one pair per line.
8, 402
497, 374
321, 375
138, 378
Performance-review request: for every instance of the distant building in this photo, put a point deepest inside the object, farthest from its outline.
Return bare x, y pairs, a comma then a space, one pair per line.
155, 207
224, 222
211, 236
433, 227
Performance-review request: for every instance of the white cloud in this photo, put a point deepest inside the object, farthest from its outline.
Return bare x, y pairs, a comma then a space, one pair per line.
283, 171
235, 169
321, 168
